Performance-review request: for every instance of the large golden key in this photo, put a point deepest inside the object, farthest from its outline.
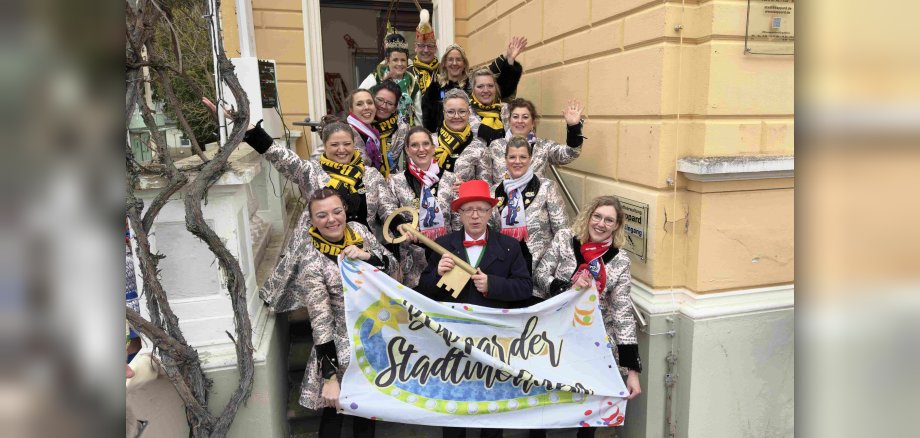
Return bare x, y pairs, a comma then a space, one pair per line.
455, 279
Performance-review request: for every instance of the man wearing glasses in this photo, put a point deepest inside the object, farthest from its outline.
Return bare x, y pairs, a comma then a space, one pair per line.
425, 61
502, 279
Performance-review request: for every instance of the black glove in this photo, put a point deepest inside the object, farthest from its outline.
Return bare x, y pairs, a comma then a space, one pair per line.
258, 138
573, 136
328, 360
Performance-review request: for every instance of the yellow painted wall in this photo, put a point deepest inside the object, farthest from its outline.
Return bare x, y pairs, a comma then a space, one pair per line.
654, 94
278, 27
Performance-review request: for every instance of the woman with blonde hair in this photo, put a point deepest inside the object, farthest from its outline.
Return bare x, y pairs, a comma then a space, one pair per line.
454, 72
590, 255
489, 114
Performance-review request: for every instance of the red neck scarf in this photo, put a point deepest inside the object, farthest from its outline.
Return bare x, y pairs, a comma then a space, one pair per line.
592, 253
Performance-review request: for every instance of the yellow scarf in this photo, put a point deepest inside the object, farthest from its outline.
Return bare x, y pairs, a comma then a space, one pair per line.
423, 72
334, 249
386, 128
490, 114
449, 143
348, 175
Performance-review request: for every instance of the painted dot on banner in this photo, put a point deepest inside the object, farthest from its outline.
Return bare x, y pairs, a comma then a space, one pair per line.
395, 392
504, 310
451, 406
353, 406
412, 399
383, 315
588, 412
583, 424
621, 393
363, 360
609, 345
554, 398
472, 408
358, 282
597, 344
598, 422
592, 297
609, 366
586, 319
431, 404
493, 407
376, 270
577, 397
399, 286
611, 403
512, 404
532, 401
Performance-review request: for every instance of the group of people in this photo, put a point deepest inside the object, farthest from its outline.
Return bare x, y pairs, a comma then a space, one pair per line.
459, 149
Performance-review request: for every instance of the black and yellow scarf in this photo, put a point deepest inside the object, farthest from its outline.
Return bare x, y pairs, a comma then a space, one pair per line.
332, 249
424, 72
450, 144
345, 176
491, 115
386, 128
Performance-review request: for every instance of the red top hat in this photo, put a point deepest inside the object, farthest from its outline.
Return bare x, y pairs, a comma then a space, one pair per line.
473, 190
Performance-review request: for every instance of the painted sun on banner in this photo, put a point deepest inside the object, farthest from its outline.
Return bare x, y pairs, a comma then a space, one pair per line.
414, 360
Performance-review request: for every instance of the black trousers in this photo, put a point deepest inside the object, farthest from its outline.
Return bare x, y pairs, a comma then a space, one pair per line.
460, 432
330, 425
583, 432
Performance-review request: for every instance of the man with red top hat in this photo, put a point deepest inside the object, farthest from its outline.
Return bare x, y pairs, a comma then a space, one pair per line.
502, 279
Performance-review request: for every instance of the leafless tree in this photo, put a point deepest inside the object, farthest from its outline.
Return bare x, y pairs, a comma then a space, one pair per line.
181, 362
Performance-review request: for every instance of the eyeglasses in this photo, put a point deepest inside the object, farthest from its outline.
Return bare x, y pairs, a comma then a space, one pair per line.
426, 46
456, 113
606, 220
478, 211
384, 103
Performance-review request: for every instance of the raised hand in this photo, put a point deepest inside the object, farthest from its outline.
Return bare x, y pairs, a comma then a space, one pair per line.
213, 107
572, 112
515, 47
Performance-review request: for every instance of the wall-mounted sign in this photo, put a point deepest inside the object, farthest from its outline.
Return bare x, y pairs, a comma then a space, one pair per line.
770, 27
636, 226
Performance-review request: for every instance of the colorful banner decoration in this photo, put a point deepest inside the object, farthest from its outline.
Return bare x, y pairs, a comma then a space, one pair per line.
414, 360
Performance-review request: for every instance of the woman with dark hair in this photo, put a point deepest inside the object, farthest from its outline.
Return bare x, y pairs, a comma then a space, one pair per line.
308, 276
395, 67
390, 127
361, 112
422, 187
590, 255
522, 120
529, 207
341, 168
454, 72
457, 150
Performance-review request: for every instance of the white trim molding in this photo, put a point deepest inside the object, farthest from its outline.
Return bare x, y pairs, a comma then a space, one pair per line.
244, 28
316, 78
443, 23
717, 304
732, 168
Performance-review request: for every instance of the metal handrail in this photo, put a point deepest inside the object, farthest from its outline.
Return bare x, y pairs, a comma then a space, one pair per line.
565, 190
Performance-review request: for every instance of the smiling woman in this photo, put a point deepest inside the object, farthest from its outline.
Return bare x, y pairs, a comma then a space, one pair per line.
341, 168
307, 276
395, 66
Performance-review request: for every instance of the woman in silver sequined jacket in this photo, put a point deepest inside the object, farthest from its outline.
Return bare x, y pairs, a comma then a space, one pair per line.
600, 222
522, 120
409, 191
543, 208
306, 277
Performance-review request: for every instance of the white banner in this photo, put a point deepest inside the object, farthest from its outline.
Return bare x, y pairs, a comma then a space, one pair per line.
414, 360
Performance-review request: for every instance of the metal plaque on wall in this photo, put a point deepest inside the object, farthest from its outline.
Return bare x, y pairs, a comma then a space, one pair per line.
770, 27
636, 226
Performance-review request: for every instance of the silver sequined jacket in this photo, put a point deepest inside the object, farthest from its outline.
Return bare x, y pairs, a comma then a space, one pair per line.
310, 176
412, 256
616, 304
545, 214
305, 278
544, 150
